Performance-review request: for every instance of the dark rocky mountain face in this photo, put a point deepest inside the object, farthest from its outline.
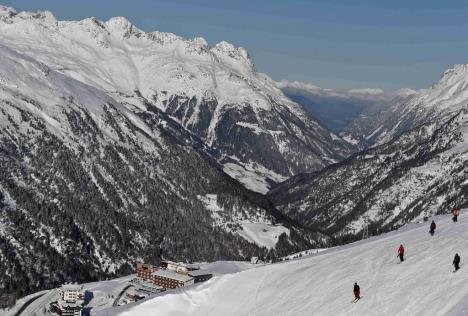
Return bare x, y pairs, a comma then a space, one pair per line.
421, 173
243, 142
87, 187
377, 125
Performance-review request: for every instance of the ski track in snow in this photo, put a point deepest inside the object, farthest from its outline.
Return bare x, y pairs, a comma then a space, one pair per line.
322, 284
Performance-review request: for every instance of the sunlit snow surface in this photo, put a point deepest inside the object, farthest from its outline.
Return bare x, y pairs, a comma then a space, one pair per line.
258, 230
322, 284
263, 234
104, 293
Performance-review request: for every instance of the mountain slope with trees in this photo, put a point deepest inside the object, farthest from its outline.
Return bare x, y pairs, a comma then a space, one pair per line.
421, 172
87, 187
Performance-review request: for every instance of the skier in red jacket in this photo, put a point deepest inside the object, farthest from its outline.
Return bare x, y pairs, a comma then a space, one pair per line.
357, 292
401, 253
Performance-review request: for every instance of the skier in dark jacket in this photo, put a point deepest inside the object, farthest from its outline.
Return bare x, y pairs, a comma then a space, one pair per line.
455, 213
456, 262
401, 253
357, 291
432, 228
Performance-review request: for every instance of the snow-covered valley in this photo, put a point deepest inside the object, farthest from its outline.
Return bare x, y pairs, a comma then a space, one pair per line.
121, 147
88, 186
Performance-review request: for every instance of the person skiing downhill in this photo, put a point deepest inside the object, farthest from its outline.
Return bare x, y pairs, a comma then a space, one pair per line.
432, 228
455, 213
401, 253
357, 292
456, 262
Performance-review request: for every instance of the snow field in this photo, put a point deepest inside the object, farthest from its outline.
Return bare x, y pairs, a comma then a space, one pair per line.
322, 284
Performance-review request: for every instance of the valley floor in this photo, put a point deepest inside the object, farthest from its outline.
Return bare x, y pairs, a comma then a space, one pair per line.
424, 284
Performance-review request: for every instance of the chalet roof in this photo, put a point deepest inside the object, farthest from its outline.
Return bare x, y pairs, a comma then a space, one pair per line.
71, 287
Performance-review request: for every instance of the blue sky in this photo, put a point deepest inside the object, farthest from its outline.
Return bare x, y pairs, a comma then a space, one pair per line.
344, 44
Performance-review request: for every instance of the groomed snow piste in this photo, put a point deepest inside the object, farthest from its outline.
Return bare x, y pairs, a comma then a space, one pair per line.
322, 285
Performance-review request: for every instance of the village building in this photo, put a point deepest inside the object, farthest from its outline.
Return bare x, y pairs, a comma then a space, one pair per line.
146, 287
171, 275
200, 276
171, 279
71, 301
178, 267
144, 270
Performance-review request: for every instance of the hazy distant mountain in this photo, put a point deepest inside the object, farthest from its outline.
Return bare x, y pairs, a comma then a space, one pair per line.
334, 108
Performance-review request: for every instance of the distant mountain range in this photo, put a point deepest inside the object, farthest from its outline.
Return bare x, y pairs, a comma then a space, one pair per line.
242, 119
337, 109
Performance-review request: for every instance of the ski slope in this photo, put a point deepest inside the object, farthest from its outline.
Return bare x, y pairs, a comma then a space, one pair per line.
322, 284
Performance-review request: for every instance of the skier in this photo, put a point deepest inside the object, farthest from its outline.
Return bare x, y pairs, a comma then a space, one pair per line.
432, 228
456, 262
357, 292
455, 213
401, 253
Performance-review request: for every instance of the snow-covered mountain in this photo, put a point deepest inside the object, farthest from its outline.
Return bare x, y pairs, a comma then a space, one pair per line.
422, 171
336, 109
322, 285
88, 186
379, 125
239, 116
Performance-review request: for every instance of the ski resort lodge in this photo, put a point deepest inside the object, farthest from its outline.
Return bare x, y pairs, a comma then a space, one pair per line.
71, 301
171, 275
170, 279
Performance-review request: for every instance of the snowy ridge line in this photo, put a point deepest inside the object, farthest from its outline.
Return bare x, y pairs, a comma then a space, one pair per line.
213, 93
388, 185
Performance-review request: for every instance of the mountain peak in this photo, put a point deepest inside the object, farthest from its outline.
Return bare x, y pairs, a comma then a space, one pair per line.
7, 11
455, 73
236, 53
122, 26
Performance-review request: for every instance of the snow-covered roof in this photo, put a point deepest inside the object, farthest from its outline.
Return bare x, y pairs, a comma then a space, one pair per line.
172, 275
323, 284
199, 273
71, 287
